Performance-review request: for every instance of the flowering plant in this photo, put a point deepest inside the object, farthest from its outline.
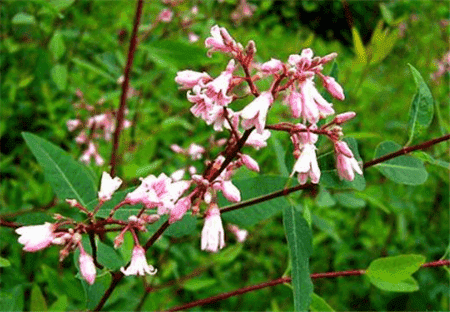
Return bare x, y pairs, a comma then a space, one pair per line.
243, 105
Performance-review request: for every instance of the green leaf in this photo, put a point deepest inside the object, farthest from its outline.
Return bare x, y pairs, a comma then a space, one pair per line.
394, 269
402, 169
184, 227
12, 300
318, 304
61, 4
57, 46
382, 48
374, 201
430, 160
386, 13
23, 18
299, 239
198, 284
59, 76
173, 55
407, 285
94, 69
37, 300
95, 292
280, 154
358, 45
60, 304
68, 178
4, 262
422, 107
250, 189
349, 200
108, 256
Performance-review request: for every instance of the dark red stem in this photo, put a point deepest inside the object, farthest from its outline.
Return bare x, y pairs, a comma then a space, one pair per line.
283, 280
125, 84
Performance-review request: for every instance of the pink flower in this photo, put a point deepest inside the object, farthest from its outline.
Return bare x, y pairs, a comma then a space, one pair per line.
73, 124
217, 117
195, 151
241, 235
255, 113
213, 235
203, 104
81, 138
272, 67
216, 90
220, 41
187, 79
257, 140
87, 267
333, 87
345, 162
181, 207
314, 106
108, 186
36, 237
165, 16
193, 37
91, 151
138, 265
294, 101
229, 190
250, 163
306, 165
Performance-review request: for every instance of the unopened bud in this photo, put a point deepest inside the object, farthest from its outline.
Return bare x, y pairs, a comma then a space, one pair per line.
72, 202
118, 240
329, 57
150, 218
63, 253
333, 87
76, 238
344, 117
132, 219
250, 49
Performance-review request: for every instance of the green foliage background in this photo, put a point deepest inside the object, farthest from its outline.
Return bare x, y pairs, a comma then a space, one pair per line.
52, 48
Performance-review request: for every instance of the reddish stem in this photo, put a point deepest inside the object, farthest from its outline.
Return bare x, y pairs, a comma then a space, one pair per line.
125, 84
283, 280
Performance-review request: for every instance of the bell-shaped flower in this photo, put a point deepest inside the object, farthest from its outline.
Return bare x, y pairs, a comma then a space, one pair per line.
138, 265
195, 151
188, 79
272, 67
257, 140
294, 102
255, 113
217, 117
213, 235
87, 267
314, 106
36, 237
181, 207
229, 190
202, 103
345, 162
307, 166
217, 89
108, 186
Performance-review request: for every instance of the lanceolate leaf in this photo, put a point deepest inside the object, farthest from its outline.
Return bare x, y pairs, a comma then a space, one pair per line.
253, 188
68, 178
402, 169
422, 108
299, 240
319, 305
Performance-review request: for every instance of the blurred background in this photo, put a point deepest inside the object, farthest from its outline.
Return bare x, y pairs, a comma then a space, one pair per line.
58, 54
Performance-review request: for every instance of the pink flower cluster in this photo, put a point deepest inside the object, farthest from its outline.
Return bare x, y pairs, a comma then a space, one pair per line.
211, 98
93, 128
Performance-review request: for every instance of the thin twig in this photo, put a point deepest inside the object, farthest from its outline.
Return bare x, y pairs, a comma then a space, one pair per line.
283, 280
125, 84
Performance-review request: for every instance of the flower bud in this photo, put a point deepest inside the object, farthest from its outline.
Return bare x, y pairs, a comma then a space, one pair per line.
333, 88
344, 117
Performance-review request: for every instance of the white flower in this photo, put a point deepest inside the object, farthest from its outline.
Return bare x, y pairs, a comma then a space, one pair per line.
213, 235
108, 186
307, 165
36, 237
255, 113
139, 265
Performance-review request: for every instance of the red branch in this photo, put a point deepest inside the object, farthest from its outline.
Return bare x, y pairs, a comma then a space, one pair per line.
283, 280
125, 84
